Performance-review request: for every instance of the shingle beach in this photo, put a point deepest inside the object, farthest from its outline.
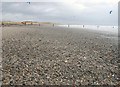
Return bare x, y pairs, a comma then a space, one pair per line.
37, 55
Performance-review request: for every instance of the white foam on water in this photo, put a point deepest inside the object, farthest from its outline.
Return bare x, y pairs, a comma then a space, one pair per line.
105, 29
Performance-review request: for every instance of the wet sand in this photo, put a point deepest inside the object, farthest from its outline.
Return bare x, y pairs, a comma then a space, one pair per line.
37, 55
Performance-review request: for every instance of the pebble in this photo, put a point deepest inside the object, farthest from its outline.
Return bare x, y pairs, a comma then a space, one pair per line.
61, 57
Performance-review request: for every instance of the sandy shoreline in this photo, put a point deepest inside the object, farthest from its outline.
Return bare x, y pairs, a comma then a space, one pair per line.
55, 55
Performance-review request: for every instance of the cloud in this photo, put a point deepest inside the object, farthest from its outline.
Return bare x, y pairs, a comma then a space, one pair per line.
72, 11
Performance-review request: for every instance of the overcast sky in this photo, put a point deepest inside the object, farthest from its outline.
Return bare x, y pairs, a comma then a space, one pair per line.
94, 12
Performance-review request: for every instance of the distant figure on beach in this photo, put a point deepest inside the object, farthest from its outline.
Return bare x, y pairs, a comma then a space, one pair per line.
113, 26
97, 26
68, 25
83, 26
28, 2
39, 24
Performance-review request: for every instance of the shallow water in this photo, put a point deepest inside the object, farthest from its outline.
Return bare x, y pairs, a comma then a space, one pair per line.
105, 29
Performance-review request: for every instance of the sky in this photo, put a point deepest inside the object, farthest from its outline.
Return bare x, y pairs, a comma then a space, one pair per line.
87, 12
